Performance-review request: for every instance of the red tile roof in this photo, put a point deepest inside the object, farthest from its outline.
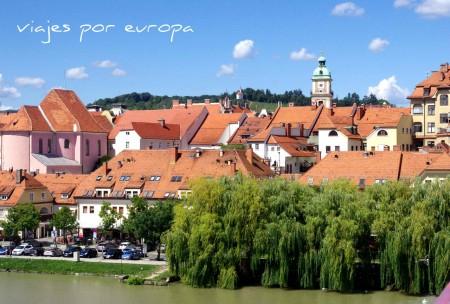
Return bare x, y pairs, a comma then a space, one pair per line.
64, 110
150, 130
251, 126
437, 79
61, 184
214, 126
102, 121
14, 191
379, 117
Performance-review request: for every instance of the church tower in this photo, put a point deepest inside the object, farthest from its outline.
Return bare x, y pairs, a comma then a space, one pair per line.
321, 92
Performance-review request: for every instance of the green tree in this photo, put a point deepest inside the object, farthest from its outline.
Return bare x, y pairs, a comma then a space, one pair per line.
65, 220
109, 217
21, 218
149, 221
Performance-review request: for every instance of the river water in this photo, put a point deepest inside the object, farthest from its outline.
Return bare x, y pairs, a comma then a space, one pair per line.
21, 288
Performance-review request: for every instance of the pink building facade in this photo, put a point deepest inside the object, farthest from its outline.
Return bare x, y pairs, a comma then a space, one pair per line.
59, 135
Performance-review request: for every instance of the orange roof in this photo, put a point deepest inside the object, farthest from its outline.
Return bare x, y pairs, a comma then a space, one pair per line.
61, 184
64, 110
102, 121
185, 117
295, 146
437, 79
28, 118
138, 166
379, 117
15, 191
250, 127
214, 126
294, 115
150, 130
355, 166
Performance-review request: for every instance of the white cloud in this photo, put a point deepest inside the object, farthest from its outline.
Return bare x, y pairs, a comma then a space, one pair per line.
226, 70
347, 9
77, 73
389, 89
434, 8
243, 49
118, 72
1, 77
302, 54
5, 108
403, 3
30, 81
378, 45
105, 64
9, 92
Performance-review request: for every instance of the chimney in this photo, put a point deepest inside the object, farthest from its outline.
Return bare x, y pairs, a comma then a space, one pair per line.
175, 102
189, 102
207, 101
302, 129
444, 67
232, 167
173, 155
288, 129
162, 122
198, 152
372, 149
290, 105
221, 153
119, 164
331, 111
19, 176
249, 156
361, 111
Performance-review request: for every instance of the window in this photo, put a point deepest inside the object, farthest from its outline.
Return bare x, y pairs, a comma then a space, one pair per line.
443, 100
382, 133
310, 180
127, 133
85, 209
426, 92
66, 143
120, 210
444, 118
278, 148
431, 144
176, 178
31, 196
333, 133
91, 209
65, 195
257, 146
49, 146
337, 148
124, 178
417, 127
114, 209
362, 183
127, 145
109, 178
327, 149
417, 109
3, 197
351, 148
98, 178
41, 146
88, 147
43, 211
272, 148
131, 193
155, 178
148, 194
380, 181
99, 148
42, 195
431, 110
430, 128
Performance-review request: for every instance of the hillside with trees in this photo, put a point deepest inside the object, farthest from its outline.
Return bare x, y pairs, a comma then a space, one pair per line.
255, 99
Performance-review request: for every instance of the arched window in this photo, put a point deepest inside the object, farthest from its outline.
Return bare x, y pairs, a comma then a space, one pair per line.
41, 146
443, 100
87, 147
417, 109
43, 211
66, 143
99, 147
333, 133
417, 127
382, 133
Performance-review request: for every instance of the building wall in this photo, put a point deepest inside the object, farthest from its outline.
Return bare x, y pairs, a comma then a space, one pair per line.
158, 144
70, 152
296, 162
88, 161
276, 154
93, 220
15, 150
259, 149
374, 141
123, 137
325, 140
228, 132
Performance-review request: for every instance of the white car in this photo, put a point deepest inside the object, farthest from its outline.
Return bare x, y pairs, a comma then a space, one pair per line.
22, 249
124, 245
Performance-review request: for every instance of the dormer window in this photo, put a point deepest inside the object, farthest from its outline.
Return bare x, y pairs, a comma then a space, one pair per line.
426, 92
155, 178
99, 177
176, 178
64, 195
3, 197
109, 178
148, 194
382, 133
333, 133
124, 178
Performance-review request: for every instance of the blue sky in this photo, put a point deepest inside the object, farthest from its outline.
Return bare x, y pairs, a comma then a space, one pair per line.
256, 43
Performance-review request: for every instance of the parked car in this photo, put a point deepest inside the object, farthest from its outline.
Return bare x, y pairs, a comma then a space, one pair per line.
88, 252
22, 249
112, 253
104, 246
124, 245
36, 251
68, 253
53, 252
32, 242
6, 250
131, 254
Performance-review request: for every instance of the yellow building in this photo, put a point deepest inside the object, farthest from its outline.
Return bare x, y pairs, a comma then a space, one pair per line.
430, 108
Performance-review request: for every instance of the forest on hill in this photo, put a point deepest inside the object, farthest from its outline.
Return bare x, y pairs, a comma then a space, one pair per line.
254, 98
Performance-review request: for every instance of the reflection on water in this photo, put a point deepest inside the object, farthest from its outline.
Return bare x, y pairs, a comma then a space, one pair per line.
52, 289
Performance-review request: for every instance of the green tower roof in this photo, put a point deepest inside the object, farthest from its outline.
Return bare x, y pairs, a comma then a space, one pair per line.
321, 72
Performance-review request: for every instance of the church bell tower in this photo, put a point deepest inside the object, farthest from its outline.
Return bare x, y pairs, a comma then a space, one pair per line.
321, 92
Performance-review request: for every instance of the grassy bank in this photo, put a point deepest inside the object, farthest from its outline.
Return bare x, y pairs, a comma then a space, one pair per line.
69, 267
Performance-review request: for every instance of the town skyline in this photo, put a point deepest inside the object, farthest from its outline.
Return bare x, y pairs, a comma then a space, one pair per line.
241, 48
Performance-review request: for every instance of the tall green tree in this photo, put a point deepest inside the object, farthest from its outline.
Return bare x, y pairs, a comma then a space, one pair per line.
64, 220
149, 221
21, 218
109, 217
